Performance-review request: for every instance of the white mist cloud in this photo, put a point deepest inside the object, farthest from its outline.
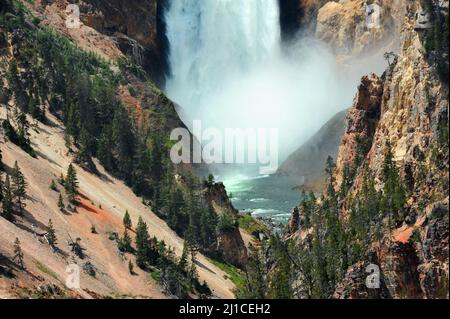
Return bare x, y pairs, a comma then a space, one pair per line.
221, 77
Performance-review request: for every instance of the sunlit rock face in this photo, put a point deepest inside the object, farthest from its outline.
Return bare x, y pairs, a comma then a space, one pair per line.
356, 27
138, 27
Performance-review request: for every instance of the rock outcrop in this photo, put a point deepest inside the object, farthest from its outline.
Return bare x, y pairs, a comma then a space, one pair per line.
137, 28
298, 16
232, 248
229, 245
356, 27
361, 122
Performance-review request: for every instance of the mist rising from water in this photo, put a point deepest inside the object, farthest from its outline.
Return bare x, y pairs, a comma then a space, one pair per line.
229, 69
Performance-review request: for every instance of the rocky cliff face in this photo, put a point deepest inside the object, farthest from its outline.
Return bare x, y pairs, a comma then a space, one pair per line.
299, 16
359, 32
356, 27
405, 110
230, 244
137, 28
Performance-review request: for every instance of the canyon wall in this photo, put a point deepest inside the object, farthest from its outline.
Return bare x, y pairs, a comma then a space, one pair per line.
403, 112
136, 27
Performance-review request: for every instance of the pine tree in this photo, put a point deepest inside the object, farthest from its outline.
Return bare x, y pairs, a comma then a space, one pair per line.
142, 243
51, 234
131, 267
320, 277
280, 286
303, 263
192, 271
76, 248
18, 254
61, 205
53, 186
176, 205
346, 182
71, 184
18, 187
183, 263
127, 220
7, 201
329, 168
61, 180
255, 283
124, 243
1, 187
84, 149
208, 224
394, 196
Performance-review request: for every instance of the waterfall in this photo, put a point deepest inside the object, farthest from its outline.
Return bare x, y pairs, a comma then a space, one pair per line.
227, 69
213, 41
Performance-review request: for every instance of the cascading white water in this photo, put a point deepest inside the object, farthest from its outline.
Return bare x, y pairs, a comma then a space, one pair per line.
215, 41
229, 71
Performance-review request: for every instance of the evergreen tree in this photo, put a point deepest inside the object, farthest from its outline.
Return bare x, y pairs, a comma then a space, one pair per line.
61, 180
51, 234
124, 243
329, 168
255, 282
23, 126
346, 182
127, 220
1, 187
53, 186
208, 225
142, 243
124, 140
183, 263
76, 248
84, 146
18, 254
131, 267
175, 210
303, 264
394, 196
18, 187
61, 205
210, 181
7, 201
71, 184
319, 257
280, 277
